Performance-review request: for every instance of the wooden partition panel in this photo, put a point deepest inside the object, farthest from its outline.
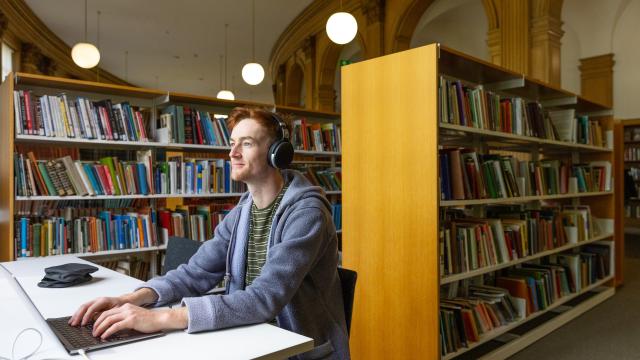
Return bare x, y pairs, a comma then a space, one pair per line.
6, 169
390, 203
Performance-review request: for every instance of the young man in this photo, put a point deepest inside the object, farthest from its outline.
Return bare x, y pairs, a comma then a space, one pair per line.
277, 249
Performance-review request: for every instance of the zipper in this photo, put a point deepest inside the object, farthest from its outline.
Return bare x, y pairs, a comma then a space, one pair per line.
230, 249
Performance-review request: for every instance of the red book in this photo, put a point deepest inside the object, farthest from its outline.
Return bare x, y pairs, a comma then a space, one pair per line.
106, 124
27, 108
196, 115
138, 116
164, 220
105, 178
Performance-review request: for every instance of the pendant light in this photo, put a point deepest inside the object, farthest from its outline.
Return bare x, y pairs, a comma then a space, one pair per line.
223, 93
341, 27
253, 73
84, 54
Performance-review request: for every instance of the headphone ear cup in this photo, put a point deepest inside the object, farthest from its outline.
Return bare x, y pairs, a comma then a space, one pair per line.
280, 154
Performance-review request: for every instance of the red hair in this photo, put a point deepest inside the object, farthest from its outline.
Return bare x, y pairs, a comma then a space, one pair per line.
263, 117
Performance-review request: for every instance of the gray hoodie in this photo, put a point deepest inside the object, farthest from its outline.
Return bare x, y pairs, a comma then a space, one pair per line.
298, 285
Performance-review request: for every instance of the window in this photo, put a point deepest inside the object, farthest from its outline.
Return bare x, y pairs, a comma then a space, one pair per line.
7, 63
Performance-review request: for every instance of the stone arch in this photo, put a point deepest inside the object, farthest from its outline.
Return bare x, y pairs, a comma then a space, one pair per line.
407, 23
294, 84
327, 65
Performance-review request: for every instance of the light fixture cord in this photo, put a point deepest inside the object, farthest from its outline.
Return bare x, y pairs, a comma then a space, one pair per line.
253, 35
226, 28
98, 46
221, 71
85, 21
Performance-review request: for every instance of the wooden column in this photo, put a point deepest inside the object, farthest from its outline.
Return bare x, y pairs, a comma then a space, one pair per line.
308, 54
596, 78
544, 62
374, 30
514, 35
495, 45
31, 59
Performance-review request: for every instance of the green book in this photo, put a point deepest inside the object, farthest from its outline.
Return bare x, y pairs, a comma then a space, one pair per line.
36, 239
47, 180
180, 123
108, 161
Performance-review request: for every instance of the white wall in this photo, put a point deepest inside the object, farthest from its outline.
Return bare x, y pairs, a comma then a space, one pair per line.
596, 27
626, 71
458, 24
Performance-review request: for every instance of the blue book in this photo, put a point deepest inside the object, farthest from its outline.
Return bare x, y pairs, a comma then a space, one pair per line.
106, 217
134, 240
225, 130
198, 178
142, 179
88, 169
145, 241
189, 177
227, 176
211, 130
128, 119
120, 231
24, 229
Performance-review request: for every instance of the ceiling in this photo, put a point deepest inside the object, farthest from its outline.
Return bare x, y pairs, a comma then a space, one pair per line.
176, 45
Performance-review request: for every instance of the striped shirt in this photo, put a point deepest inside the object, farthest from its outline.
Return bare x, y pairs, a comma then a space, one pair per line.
259, 229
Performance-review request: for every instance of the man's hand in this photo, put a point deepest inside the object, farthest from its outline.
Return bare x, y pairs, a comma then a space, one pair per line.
88, 311
130, 316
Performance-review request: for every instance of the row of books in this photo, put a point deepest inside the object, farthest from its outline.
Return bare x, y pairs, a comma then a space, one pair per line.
632, 153
330, 179
631, 133
465, 174
186, 125
82, 230
470, 243
578, 129
57, 235
135, 267
83, 207
66, 177
315, 137
632, 210
196, 176
196, 222
473, 106
516, 293
111, 176
81, 118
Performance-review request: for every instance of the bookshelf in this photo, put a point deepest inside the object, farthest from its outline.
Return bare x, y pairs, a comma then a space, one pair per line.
628, 161
395, 215
151, 104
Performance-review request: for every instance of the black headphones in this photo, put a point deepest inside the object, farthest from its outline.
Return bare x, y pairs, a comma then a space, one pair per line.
280, 152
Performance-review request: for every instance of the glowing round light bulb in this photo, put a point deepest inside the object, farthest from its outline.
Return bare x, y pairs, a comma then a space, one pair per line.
85, 55
342, 27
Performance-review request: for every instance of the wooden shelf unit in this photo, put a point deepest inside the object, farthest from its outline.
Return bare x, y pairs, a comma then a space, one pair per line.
155, 100
627, 225
391, 203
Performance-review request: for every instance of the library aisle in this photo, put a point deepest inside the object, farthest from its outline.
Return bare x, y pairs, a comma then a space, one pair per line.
608, 331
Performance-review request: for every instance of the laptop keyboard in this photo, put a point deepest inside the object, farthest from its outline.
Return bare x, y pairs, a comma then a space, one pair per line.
80, 337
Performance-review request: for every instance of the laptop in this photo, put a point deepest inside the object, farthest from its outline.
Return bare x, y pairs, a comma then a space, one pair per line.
79, 338
75, 338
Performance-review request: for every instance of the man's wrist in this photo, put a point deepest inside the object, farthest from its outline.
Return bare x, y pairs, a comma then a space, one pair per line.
177, 318
141, 297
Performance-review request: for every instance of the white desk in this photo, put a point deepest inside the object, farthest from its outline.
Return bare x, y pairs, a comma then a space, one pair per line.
16, 313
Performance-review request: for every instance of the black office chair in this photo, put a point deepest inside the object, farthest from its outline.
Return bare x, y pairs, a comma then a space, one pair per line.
348, 281
179, 251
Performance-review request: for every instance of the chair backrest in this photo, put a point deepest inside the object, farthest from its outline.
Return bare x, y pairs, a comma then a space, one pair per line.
179, 251
348, 281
